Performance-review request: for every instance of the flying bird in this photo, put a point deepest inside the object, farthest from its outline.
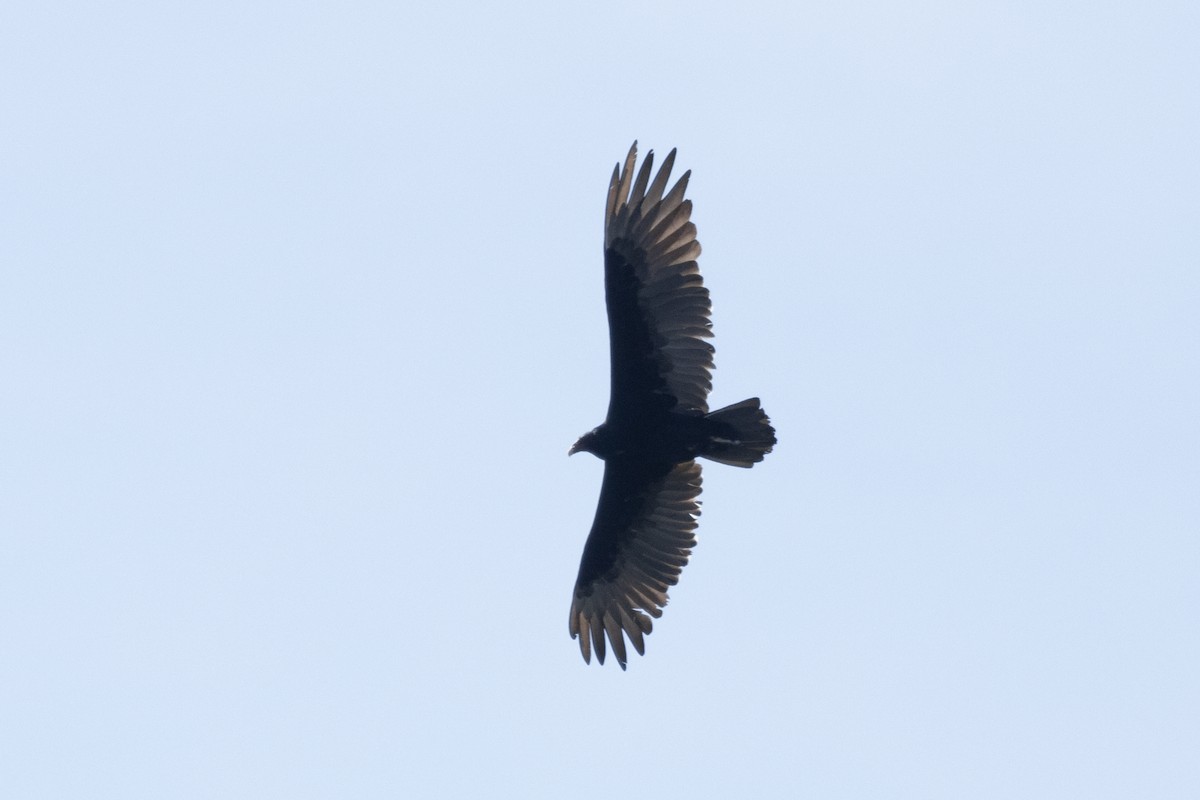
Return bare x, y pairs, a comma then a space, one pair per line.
658, 420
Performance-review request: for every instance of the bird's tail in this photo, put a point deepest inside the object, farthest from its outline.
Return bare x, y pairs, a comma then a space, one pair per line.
739, 435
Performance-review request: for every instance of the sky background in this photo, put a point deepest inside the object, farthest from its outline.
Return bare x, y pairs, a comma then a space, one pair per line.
301, 307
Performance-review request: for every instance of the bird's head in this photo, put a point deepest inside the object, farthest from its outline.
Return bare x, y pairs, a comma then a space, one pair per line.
588, 443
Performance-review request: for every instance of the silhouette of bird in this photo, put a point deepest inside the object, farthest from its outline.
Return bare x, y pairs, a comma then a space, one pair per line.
658, 420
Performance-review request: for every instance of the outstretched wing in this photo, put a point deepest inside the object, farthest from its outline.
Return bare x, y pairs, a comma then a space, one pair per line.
658, 307
641, 539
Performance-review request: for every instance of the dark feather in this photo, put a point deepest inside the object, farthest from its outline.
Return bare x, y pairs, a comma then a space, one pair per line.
641, 538
658, 307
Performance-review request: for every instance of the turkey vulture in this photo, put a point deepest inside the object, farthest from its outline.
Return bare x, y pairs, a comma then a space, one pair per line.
658, 420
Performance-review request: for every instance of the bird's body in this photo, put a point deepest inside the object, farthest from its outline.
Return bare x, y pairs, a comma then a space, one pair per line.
658, 421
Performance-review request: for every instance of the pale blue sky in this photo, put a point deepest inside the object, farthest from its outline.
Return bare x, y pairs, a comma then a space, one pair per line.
301, 307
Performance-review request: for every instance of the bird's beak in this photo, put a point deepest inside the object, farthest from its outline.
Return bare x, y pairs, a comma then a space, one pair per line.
574, 449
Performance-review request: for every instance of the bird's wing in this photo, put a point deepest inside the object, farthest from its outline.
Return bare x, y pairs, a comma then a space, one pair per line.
658, 307
641, 539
